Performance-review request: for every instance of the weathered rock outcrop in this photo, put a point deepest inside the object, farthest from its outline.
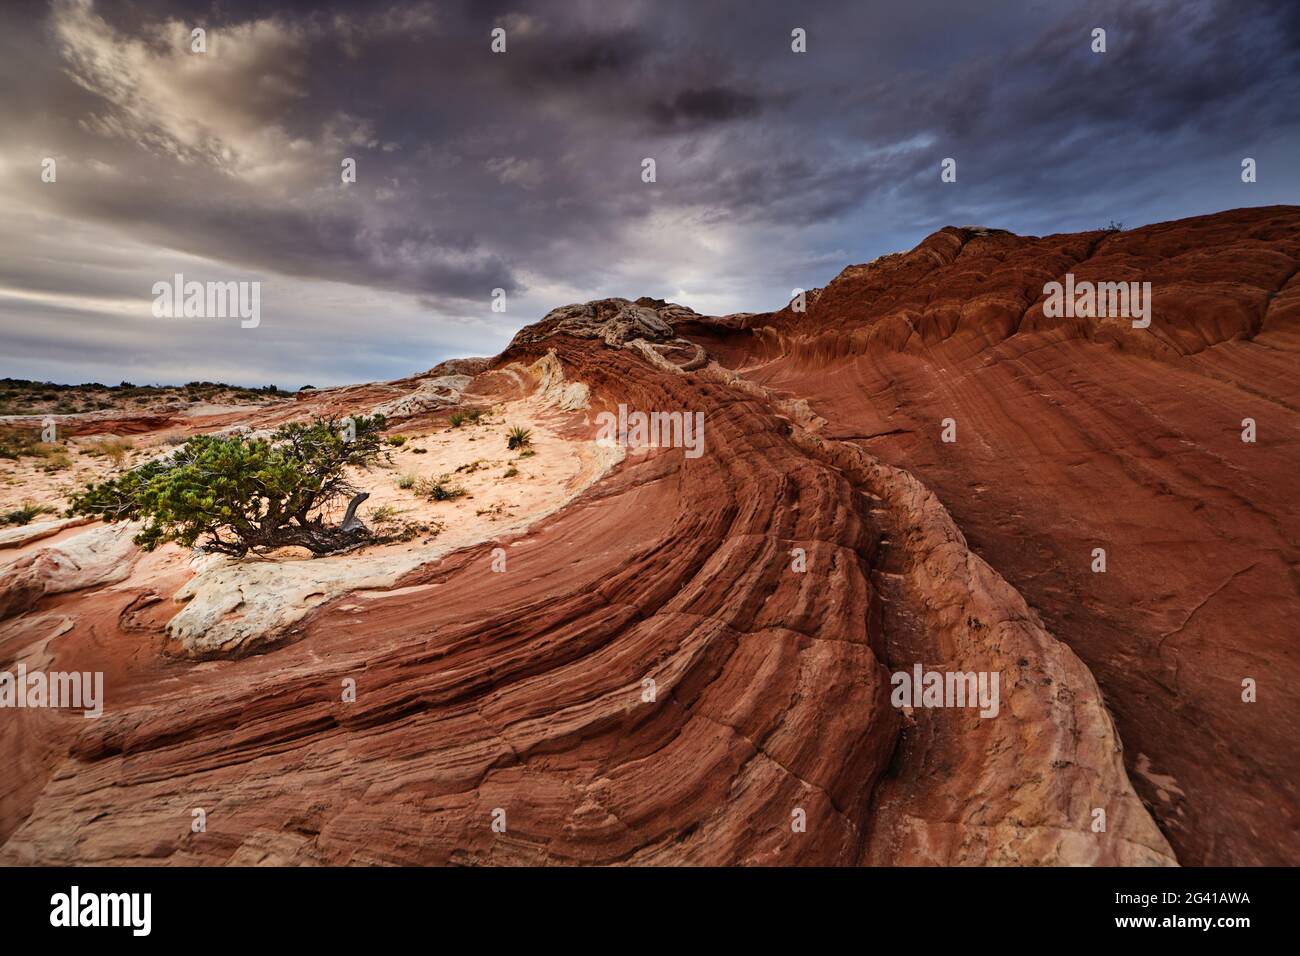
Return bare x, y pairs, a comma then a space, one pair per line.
20, 535
102, 555
613, 321
1079, 434
692, 661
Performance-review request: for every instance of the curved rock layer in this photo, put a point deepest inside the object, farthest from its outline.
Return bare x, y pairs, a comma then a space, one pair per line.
1074, 435
691, 662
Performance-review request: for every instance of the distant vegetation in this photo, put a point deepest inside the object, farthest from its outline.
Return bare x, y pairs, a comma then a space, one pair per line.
24, 397
18, 443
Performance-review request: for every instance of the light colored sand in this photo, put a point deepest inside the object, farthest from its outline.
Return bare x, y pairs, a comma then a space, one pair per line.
475, 458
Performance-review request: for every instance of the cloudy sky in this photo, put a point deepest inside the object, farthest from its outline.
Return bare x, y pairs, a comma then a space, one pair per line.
522, 170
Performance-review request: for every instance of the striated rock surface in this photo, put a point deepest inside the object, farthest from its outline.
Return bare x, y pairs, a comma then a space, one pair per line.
20, 535
691, 661
102, 555
1078, 434
431, 394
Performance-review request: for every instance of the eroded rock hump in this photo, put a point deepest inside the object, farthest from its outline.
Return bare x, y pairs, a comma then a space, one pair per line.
613, 321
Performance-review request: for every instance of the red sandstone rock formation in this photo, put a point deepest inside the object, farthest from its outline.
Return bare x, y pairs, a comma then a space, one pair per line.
653, 681
1079, 434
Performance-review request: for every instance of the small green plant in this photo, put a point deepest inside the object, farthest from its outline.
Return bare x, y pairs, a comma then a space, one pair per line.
419, 451
476, 465
407, 481
510, 472
14, 443
26, 513
527, 453
396, 441
471, 415
388, 526
439, 489
113, 448
56, 458
518, 437
440, 492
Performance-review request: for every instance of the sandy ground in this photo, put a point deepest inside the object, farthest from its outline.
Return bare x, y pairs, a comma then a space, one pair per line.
472, 457
500, 485
40, 481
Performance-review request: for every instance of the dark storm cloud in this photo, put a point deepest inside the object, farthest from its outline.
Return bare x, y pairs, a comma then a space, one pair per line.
715, 104
522, 171
602, 55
